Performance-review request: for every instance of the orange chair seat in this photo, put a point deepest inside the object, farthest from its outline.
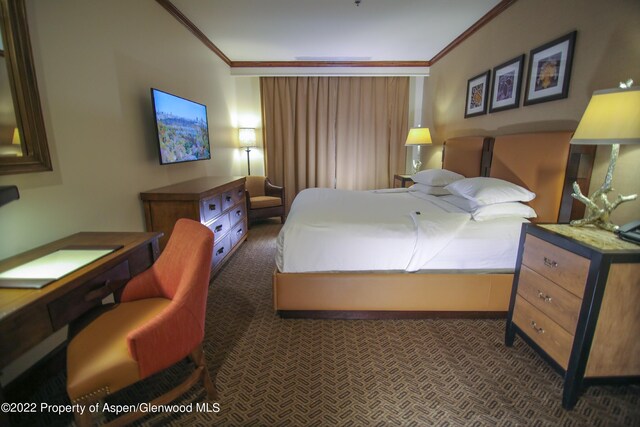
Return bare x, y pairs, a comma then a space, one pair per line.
98, 356
259, 202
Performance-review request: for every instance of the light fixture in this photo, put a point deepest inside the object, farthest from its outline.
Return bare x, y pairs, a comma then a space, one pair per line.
416, 138
611, 118
247, 137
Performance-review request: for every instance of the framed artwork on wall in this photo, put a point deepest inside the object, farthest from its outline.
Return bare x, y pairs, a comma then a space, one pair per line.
477, 94
507, 82
550, 70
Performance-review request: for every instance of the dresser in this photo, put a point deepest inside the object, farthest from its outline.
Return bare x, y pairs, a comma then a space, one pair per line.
576, 301
217, 202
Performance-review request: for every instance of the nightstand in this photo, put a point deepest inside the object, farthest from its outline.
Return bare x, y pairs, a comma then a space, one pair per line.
403, 180
576, 301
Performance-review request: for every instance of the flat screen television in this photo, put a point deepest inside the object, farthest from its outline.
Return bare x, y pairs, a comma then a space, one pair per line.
181, 127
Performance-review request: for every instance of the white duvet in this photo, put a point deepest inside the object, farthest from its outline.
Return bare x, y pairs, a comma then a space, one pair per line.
338, 230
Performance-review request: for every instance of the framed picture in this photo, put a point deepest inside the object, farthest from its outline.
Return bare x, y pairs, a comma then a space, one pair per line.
477, 94
507, 82
550, 70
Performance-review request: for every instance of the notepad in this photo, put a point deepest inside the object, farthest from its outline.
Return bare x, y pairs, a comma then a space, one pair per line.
51, 267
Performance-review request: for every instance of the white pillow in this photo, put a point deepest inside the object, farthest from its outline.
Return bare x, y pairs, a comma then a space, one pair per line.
502, 210
462, 203
496, 210
486, 191
429, 189
436, 177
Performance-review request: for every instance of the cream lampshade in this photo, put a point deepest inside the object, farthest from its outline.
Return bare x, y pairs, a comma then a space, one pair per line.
416, 138
247, 138
611, 118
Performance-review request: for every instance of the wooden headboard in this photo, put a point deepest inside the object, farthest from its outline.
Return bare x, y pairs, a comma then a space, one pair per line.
469, 155
536, 161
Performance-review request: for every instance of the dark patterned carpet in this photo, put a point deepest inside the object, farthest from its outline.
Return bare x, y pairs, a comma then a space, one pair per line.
275, 372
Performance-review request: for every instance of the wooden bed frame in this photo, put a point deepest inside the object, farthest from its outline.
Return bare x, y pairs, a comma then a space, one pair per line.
537, 161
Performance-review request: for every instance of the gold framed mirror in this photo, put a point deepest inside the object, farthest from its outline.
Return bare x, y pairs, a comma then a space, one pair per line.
23, 140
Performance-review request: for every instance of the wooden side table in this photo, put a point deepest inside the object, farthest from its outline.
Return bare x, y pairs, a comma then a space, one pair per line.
403, 180
576, 301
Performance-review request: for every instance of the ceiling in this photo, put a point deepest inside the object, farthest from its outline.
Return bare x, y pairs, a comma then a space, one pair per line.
332, 30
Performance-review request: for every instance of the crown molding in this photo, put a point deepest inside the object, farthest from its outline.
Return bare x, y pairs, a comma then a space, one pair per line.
306, 67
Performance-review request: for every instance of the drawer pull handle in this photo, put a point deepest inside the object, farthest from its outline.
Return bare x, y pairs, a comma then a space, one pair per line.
534, 325
544, 297
228, 198
238, 212
219, 228
212, 206
550, 263
220, 251
239, 231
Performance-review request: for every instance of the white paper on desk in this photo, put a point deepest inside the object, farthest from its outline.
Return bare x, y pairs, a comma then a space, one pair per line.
55, 265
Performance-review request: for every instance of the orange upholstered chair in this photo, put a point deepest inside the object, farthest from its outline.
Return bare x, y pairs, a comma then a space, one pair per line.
264, 200
158, 322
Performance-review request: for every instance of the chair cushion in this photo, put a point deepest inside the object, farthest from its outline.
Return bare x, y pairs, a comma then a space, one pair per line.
98, 356
265, 202
255, 185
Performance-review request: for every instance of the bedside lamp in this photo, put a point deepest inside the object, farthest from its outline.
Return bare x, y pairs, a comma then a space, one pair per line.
416, 138
247, 137
611, 118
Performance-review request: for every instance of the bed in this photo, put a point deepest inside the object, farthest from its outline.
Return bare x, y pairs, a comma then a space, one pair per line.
534, 161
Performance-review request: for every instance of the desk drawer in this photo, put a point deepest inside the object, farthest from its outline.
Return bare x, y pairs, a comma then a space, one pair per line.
90, 294
211, 208
550, 336
556, 264
554, 301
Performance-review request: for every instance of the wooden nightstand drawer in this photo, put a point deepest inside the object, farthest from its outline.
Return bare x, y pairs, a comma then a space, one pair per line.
554, 301
550, 336
561, 266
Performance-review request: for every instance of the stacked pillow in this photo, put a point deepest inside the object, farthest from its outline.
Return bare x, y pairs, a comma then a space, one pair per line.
433, 181
489, 198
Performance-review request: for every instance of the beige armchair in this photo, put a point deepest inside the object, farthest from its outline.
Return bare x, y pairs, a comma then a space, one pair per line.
264, 200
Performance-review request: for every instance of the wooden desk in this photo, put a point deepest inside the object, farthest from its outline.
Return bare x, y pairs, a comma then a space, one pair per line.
28, 316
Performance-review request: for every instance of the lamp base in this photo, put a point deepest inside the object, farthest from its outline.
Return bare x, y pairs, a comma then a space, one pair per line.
599, 207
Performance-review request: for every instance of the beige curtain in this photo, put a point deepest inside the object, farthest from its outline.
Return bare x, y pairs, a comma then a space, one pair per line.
334, 132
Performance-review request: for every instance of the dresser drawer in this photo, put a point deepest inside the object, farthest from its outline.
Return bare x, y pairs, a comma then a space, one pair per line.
556, 264
220, 250
238, 194
211, 207
237, 233
554, 301
237, 213
550, 336
220, 227
227, 200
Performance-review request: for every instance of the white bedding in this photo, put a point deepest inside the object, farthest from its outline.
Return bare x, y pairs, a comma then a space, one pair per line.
336, 230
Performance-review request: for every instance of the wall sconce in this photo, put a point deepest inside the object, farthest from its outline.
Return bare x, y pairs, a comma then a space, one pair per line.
247, 137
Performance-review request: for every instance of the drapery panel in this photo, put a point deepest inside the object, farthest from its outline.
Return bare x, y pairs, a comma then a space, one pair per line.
334, 132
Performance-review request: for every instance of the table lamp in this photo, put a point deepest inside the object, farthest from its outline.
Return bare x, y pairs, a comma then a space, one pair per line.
611, 118
416, 138
247, 137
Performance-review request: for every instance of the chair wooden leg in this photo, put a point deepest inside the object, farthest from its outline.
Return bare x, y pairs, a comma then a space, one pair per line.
198, 358
84, 419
